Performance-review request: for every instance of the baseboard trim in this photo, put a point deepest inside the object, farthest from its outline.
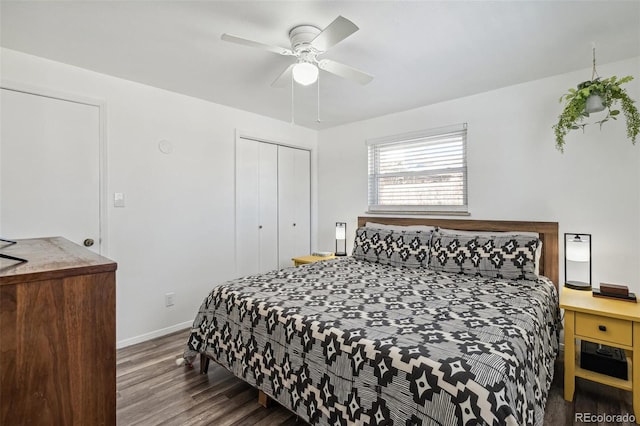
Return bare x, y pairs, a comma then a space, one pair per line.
152, 335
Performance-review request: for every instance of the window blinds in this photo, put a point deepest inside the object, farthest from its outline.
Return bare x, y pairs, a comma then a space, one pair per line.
424, 171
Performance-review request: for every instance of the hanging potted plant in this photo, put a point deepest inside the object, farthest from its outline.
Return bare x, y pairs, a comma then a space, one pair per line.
592, 96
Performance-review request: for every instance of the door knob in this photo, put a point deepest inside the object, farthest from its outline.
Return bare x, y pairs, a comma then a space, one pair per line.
88, 242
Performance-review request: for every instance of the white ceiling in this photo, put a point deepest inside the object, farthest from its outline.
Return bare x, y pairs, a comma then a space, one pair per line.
420, 52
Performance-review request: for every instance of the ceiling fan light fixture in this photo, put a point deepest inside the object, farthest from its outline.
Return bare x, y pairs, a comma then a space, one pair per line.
307, 42
305, 73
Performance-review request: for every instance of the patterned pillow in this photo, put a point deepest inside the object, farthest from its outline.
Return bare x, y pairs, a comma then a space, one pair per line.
492, 256
532, 235
390, 247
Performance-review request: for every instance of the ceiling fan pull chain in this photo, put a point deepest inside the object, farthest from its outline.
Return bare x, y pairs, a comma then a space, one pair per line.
318, 98
293, 121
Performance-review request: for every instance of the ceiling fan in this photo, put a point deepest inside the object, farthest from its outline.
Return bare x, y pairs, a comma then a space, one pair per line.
307, 43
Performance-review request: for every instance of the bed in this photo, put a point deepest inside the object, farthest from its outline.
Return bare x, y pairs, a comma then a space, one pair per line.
416, 328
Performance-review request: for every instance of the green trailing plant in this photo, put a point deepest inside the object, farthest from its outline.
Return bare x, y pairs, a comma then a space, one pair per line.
574, 113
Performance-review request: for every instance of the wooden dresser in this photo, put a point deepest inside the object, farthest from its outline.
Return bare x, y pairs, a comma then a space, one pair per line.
57, 335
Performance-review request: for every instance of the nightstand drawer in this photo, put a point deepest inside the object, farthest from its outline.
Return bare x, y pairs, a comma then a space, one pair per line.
603, 328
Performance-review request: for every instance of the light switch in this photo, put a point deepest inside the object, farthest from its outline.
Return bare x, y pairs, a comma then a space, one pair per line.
118, 199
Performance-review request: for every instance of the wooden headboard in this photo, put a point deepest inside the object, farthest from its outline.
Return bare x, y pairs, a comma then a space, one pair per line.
548, 234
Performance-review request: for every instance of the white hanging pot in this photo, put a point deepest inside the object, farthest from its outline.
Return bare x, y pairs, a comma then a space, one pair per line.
595, 103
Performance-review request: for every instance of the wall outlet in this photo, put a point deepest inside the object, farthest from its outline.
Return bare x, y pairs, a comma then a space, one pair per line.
168, 299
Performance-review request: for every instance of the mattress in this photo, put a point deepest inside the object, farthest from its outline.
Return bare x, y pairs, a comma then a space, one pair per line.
348, 341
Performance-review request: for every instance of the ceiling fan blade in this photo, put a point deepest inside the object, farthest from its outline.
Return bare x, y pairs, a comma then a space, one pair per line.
337, 31
344, 71
284, 78
239, 40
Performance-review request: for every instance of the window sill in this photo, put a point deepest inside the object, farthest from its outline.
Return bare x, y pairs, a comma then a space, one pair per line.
417, 213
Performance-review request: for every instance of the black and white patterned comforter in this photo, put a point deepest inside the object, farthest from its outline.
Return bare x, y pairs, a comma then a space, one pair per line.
353, 342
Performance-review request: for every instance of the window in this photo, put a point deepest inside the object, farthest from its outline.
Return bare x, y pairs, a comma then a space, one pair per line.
419, 172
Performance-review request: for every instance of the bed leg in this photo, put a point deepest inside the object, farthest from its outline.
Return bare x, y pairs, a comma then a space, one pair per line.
263, 399
204, 364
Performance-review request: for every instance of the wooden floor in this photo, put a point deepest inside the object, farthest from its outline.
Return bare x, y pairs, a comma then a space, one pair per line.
152, 390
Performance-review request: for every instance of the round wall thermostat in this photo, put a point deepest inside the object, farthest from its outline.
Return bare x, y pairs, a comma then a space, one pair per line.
165, 147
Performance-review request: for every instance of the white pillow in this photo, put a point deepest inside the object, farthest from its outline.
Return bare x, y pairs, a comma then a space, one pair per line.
446, 231
400, 228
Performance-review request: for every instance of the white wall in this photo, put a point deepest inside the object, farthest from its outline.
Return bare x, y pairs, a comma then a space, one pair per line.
514, 170
176, 233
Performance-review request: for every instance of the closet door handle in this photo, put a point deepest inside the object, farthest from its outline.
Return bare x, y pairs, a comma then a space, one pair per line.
259, 226
294, 224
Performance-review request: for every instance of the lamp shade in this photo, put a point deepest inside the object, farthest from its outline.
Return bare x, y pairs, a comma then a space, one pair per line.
341, 239
578, 251
305, 73
577, 261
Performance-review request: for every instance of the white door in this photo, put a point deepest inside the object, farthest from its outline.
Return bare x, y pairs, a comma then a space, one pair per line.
256, 207
294, 204
49, 168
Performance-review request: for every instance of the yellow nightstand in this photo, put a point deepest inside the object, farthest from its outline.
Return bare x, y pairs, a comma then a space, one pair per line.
608, 322
302, 260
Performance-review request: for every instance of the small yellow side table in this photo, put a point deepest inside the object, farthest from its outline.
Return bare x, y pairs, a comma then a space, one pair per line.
605, 321
303, 260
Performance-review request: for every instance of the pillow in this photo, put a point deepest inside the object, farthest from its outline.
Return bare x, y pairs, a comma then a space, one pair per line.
492, 256
397, 248
447, 231
424, 228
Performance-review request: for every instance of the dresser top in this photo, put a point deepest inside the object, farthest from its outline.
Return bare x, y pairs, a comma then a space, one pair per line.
49, 258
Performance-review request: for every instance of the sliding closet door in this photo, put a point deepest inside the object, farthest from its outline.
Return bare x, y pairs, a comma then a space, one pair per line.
256, 207
294, 204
